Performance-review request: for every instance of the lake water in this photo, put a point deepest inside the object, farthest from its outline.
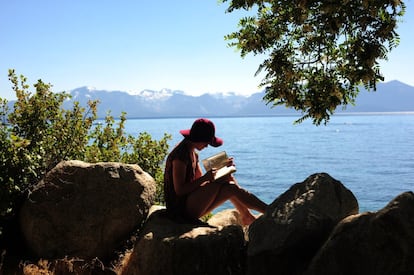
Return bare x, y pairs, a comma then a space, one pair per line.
372, 155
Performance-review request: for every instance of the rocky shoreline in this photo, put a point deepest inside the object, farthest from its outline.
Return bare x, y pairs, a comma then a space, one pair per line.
100, 219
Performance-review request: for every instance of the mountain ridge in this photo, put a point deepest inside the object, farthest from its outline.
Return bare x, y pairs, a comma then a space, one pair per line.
393, 96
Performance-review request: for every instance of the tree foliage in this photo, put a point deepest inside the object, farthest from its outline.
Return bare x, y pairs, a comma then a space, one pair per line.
38, 133
317, 53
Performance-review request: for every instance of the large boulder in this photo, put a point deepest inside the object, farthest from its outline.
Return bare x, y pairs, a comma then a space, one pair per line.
296, 224
169, 247
379, 243
85, 210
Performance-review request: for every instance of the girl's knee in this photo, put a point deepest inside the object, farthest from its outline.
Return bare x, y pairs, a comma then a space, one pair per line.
232, 187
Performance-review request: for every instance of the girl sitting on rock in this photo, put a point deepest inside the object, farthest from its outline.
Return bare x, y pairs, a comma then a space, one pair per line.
189, 194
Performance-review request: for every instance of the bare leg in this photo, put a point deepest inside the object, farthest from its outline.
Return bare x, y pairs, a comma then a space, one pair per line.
246, 215
210, 196
200, 201
248, 200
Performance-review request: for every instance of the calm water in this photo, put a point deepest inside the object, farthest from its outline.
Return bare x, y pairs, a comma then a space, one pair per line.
372, 155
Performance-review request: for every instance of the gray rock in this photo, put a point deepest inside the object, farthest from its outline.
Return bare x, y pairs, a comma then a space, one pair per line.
296, 224
377, 243
86, 210
168, 247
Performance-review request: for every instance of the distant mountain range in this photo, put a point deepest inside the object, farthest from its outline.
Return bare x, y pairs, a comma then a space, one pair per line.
393, 96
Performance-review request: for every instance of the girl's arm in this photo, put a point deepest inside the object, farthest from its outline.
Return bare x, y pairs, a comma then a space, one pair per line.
182, 187
198, 172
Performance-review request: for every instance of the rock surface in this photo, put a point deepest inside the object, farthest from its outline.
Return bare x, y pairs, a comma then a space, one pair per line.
295, 225
168, 247
85, 210
82, 211
379, 243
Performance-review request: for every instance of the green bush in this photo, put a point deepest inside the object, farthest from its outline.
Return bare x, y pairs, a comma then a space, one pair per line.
113, 144
38, 133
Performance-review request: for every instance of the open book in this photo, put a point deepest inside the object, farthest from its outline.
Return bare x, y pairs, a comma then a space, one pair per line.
219, 161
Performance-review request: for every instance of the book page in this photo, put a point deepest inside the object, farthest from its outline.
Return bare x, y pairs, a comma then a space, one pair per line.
219, 161
224, 171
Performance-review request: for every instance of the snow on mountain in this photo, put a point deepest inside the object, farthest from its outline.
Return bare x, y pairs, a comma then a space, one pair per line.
390, 97
159, 95
152, 95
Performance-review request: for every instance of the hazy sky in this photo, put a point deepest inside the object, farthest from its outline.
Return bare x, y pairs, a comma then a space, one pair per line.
132, 45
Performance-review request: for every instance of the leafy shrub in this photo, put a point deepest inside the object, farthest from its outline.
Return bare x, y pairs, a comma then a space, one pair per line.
38, 133
113, 144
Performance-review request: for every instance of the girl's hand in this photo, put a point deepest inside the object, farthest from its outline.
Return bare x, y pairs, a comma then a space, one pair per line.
210, 175
230, 162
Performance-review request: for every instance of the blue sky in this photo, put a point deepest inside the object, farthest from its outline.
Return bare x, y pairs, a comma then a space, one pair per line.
134, 45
